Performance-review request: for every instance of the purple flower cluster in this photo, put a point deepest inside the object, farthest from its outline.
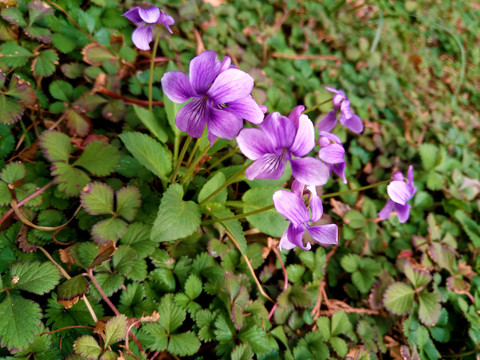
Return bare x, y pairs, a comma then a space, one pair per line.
347, 117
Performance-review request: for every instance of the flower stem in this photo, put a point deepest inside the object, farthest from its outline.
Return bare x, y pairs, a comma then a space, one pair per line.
195, 164
223, 158
180, 158
195, 148
228, 182
269, 207
102, 293
316, 106
152, 66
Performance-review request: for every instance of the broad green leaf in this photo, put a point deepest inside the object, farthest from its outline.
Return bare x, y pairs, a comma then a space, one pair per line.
61, 90
138, 237
171, 315
442, 255
355, 219
45, 63
88, 347
21, 320
99, 158
418, 277
205, 319
14, 55
183, 344
13, 172
14, 16
256, 338
157, 339
210, 186
55, 145
128, 202
350, 262
35, 277
10, 110
7, 141
110, 283
149, 152
295, 295
115, 329
107, 230
97, 198
72, 70
63, 43
193, 286
151, 123
70, 180
429, 154
124, 259
77, 124
172, 108
242, 352
339, 345
176, 218
269, 222
434, 180
72, 288
429, 307
340, 323
398, 298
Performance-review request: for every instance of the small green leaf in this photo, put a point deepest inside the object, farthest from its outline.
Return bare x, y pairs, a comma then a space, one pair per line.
355, 219
151, 123
97, 198
35, 277
14, 55
124, 259
21, 89
72, 288
77, 124
150, 153
210, 186
88, 347
55, 145
13, 172
45, 63
72, 70
39, 33
429, 154
193, 286
469, 226
434, 181
429, 307
115, 329
339, 345
61, 90
128, 202
340, 323
63, 43
256, 338
10, 110
176, 218
171, 315
350, 262
95, 54
109, 230
296, 295
398, 298
242, 352
99, 158
417, 276
5, 196
14, 16
183, 344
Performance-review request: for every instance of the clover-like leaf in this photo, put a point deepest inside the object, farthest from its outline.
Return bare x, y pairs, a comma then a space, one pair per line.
78, 124
14, 55
87, 347
399, 298
55, 145
45, 63
35, 277
95, 54
429, 308
107, 230
183, 344
72, 288
13, 172
419, 277
115, 329
97, 198
70, 180
21, 90
99, 158
128, 202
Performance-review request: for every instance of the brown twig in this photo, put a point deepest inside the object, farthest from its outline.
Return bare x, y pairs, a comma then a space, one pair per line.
68, 327
307, 57
129, 101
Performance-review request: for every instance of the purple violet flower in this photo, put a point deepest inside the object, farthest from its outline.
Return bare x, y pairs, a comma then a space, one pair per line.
332, 153
399, 192
292, 206
347, 117
220, 97
145, 19
273, 145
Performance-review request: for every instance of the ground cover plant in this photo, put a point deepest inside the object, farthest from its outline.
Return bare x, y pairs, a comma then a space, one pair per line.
239, 179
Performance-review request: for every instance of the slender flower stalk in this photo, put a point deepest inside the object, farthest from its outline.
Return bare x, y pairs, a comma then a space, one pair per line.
152, 68
194, 166
178, 163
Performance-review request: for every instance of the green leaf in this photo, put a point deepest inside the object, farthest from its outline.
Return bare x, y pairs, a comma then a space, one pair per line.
210, 186
269, 222
63, 43
339, 345
72, 288
13, 172
39, 33
256, 338
434, 181
5, 196
61, 90
205, 319
124, 259
55, 145
72, 70
21, 320
115, 329
340, 323
176, 218
398, 298
70, 180
429, 307
150, 153
193, 286
77, 124
429, 154
10, 110
355, 219
99, 158
38, 278
418, 277
172, 108
138, 237
21, 89
95, 54
107, 230
183, 344
97, 198
110, 283
128, 202
7, 141
14, 16
350, 262
87, 347
45, 63
172, 316
242, 352
151, 123
471, 227
14, 55
296, 295
158, 337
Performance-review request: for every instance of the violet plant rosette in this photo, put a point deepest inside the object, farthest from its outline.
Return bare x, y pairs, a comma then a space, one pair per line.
219, 97
332, 153
399, 191
145, 19
347, 118
292, 206
276, 142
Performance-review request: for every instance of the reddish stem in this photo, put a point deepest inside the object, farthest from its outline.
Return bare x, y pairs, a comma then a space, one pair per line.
100, 290
111, 94
285, 280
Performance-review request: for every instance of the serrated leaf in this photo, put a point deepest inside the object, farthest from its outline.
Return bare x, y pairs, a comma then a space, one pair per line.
176, 218
339, 345
242, 352
14, 55
87, 347
13, 172
110, 283
210, 186
45, 63
256, 338
99, 158
37, 10
97, 198
340, 323
107, 230
429, 308
7, 141
429, 154
21, 320
350, 262
138, 237
417, 276
269, 222
39, 33
443, 256
398, 298
434, 180
158, 339
5, 196
296, 295
150, 153
72, 70
193, 286
14, 16
95, 54
73, 288
78, 124
22, 90
183, 344
35, 277
55, 145
70, 180
469, 226
115, 329
61, 90
128, 202
124, 259
457, 285
355, 219
104, 254
171, 315
10, 110
151, 123
63, 43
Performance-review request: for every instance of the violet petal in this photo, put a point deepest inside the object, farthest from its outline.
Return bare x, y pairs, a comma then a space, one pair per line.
384, 214
269, 166
224, 124
133, 15
246, 108
354, 123
279, 129
310, 171
192, 118
291, 206
253, 143
292, 237
230, 85
403, 212
305, 137
149, 15
316, 206
203, 70
329, 121
324, 234
399, 192
339, 169
296, 113
176, 86
142, 37
166, 20
332, 154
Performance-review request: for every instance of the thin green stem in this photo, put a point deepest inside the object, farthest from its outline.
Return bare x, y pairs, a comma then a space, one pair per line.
269, 207
223, 158
316, 106
25, 132
186, 144
228, 182
152, 67
194, 165
194, 151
